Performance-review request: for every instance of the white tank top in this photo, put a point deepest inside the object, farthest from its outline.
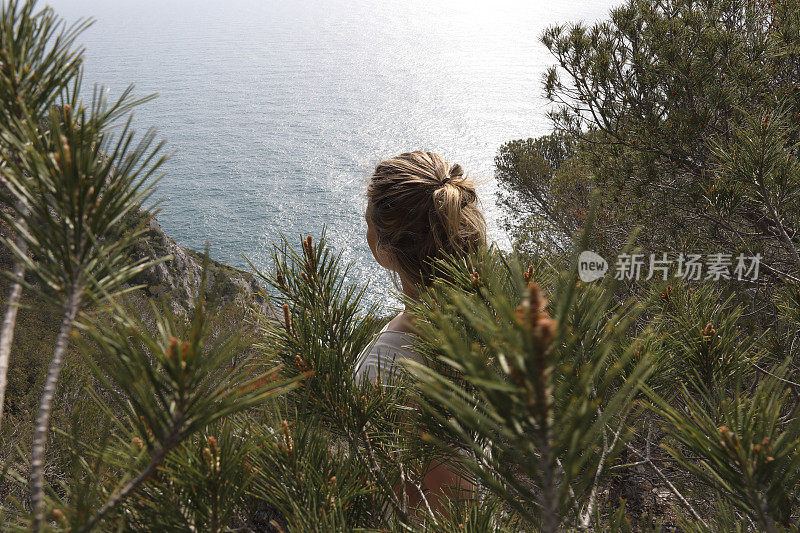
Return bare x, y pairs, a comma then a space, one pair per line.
386, 347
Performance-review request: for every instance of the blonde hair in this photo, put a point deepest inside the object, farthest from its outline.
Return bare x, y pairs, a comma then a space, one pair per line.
423, 207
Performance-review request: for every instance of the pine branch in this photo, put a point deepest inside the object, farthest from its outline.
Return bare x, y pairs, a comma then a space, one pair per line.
378, 475
43, 415
10, 319
119, 496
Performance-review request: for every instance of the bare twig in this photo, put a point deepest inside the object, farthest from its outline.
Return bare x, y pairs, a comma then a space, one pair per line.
647, 460
403, 487
586, 514
425, 501
784, 380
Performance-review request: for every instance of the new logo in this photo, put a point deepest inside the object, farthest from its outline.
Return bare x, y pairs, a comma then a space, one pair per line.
591, 266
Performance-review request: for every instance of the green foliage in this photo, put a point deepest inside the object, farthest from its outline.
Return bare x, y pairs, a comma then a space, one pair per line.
300, 473
702, 344
173, 382
527, 172
76, 182
475, 515
202, 485
541, 404
675, 102
37, 58
66, 184
323, 331
158, 387
748, 452
676, 115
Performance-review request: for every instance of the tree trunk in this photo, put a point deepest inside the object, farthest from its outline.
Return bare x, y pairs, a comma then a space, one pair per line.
41, 429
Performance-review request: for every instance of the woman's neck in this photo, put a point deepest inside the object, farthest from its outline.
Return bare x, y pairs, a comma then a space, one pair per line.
403, 321
409, 290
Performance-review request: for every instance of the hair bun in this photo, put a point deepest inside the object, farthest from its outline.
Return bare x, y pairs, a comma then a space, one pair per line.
409, 196
468, 194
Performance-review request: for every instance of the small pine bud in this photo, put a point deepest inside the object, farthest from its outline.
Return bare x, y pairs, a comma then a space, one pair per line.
287, 436
308, 248
528, 273
185, 351
138, 443
300, 363
287, 318
476, 279
67, 154
537, 299
58, 516
545, 330
728, 438
667, 293
172, 350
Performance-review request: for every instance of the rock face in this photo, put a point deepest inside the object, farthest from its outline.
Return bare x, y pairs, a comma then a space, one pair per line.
177, 280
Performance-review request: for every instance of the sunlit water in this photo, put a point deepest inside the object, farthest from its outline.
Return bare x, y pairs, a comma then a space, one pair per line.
278, 110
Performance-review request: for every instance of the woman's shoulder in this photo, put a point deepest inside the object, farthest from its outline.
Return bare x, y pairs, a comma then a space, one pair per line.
400, 324
401, 340
397, 334
387, 347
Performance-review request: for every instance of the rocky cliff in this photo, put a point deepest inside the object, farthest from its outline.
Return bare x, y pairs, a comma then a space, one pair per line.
177, 281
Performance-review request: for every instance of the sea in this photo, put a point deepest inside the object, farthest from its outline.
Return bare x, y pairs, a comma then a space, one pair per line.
276, 111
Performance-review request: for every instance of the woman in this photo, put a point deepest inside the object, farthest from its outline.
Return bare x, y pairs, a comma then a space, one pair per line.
419, 207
